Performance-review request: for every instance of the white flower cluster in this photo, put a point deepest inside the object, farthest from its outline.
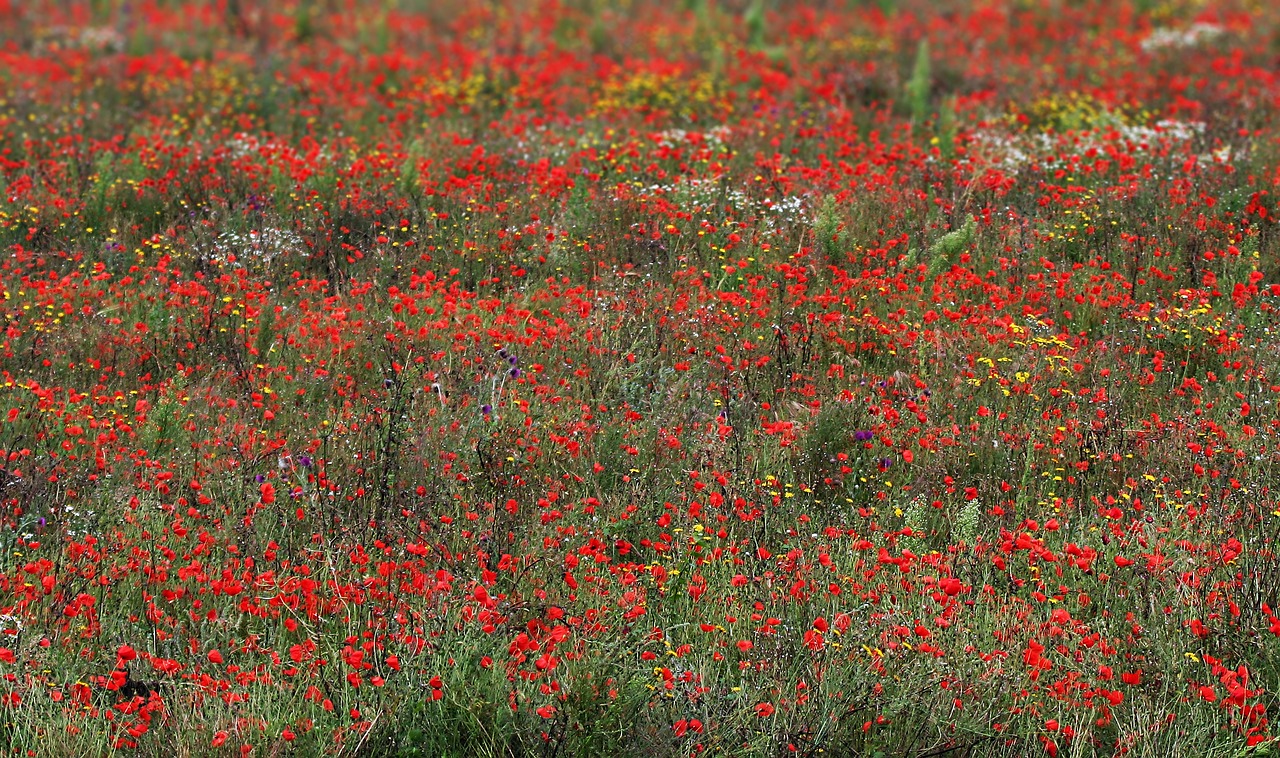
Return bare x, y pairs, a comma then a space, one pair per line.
709, 198
545, 143
243, 144
102, 39
10, 624
1010, 151
715, 138
1167, 129
1180, 39
789, 208
261, 246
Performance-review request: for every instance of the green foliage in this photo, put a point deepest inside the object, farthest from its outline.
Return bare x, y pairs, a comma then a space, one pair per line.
944, 251
828, 230
919, 85
946, 128
303, 21
829, 446
754, 20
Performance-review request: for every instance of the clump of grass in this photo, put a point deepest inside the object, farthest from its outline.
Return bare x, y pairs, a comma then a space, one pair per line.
919, 85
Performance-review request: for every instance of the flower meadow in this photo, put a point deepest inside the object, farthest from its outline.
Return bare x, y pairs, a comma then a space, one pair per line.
570, 377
